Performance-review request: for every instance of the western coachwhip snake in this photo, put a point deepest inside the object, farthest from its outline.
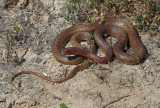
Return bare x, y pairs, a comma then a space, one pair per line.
121, 29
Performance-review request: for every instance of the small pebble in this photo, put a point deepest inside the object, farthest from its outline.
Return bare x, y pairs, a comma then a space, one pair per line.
2, 99
32, 102
8, 105
38, 60
158, 45
47, 56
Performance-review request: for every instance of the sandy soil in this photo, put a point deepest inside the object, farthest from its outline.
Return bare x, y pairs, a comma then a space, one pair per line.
113, 85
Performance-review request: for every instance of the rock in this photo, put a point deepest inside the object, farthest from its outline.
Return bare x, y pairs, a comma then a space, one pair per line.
23, 99
158, 45
47, 56
32, 102
8, 105
2, 99
38, 60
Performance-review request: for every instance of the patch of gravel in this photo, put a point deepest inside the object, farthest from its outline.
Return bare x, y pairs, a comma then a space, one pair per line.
40, 22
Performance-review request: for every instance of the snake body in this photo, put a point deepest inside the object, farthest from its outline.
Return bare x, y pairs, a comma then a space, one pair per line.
63, 38
113, 30
139, 49
118, 28
124, 28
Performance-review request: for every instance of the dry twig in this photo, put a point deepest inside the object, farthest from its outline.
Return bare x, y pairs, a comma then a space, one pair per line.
116, 100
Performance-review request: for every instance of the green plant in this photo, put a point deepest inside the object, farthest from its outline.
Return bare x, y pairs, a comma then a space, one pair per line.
144, 14
131, 80
11, 35
62, 105
11, 90
1, 78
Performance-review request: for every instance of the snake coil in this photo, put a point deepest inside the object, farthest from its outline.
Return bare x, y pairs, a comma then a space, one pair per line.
121, 29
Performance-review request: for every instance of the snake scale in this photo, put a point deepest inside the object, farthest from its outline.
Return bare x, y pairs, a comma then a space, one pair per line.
119, 28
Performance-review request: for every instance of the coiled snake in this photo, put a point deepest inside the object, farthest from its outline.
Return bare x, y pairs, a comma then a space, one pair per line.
119, 28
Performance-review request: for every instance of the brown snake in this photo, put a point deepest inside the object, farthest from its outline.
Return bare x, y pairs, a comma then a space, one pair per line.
113, 30
117, 27
139, 49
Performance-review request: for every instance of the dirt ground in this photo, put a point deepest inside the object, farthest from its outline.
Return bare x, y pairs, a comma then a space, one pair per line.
113, 85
